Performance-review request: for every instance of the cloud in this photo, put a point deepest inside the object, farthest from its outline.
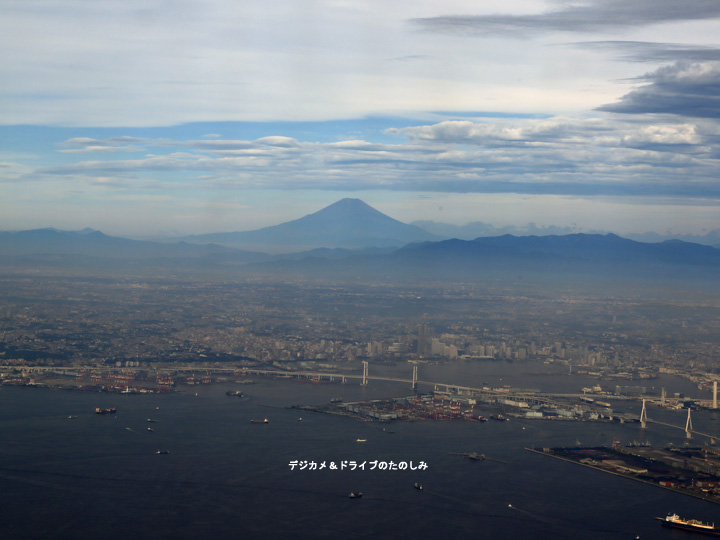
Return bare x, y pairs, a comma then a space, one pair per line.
279, 141
87, 145
410, 58
682, 89
662, 135
11, 171
503, 133
647, 51
559, 155
581, 16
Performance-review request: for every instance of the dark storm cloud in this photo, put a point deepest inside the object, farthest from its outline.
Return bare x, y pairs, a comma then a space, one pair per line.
683, 89
587, 16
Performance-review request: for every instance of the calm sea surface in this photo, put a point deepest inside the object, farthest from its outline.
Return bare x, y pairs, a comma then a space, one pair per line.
101, 477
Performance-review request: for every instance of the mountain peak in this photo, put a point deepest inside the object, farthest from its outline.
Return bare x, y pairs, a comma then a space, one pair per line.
350, 203
348, 223
348, 207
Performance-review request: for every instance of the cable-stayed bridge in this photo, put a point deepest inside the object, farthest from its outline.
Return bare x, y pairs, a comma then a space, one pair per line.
558, 400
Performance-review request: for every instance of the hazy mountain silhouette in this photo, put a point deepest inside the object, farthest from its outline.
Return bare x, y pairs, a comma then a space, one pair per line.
475, 229
348, 223
91, 243
583, 259
566, 250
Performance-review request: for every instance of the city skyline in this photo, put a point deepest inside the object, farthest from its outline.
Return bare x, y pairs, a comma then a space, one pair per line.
149, 119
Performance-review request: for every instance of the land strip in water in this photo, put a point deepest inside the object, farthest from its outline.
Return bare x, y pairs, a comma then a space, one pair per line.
693, 471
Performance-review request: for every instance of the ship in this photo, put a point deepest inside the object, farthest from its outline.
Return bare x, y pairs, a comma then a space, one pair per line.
636, 444
263, 421
235, 393
111, 410
603, 404
694, 525
355, 494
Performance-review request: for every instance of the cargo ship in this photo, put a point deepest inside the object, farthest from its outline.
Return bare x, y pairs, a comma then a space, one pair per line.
111, 410
694, 525
263, 421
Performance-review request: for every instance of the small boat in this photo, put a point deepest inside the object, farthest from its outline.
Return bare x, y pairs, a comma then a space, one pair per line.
234, 393
355, 494
418, 486
360, 440
150, 429
299, 419
163, 452
151, 420
71, 417
263, 421
110, 410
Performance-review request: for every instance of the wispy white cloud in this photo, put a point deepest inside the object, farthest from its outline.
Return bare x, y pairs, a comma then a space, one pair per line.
590, 156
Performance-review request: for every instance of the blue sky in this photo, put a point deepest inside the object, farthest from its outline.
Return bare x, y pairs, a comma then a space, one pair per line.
157, 117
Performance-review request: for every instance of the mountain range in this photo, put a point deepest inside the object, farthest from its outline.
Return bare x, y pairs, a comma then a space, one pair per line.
351, 240
473, 230
92, 243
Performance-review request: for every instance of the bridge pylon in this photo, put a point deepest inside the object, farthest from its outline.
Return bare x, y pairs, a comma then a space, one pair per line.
365, 373
688, 426
643, 416
414, 377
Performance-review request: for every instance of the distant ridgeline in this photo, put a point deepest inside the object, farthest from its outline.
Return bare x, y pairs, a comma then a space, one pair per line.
350, 240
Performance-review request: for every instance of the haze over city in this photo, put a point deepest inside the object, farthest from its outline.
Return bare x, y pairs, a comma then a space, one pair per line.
142, 119
341, 269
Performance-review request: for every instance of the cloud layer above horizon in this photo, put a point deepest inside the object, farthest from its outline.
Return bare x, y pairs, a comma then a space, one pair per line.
176, 105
